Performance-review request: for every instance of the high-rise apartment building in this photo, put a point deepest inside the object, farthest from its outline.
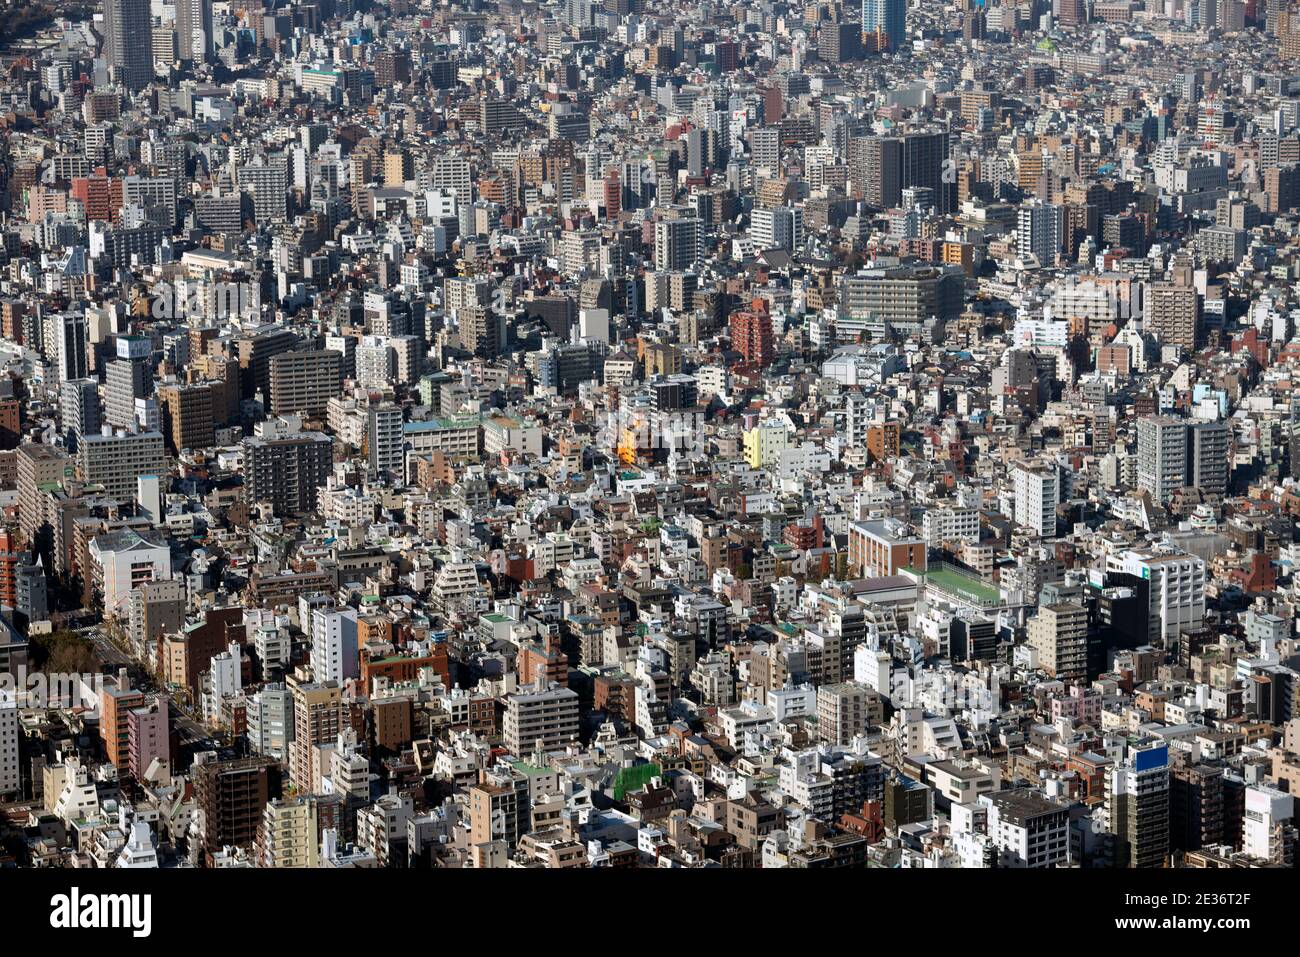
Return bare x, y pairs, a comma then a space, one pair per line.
876, 167
845, 710
188, 414
1040, 231
39, 467
194, 30
887, 18
318, 718
126, 379
1173, 314
547, 718
64, 343
11, 779
334, 655
117, 461
303, 381
128, 42
677, 243
751, 335
1176, 589
230, 799
79, 409
116, 701
1137, 806
1210, 456
1037, 490
1196, 807
147, 736
1059, 633
384, 439
1162, 456
287, 471
776, 228
288, 837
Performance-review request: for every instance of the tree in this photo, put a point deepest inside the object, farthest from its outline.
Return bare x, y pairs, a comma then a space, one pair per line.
64, 652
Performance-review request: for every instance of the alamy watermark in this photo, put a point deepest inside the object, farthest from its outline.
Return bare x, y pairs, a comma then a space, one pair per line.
206, 300
55, 689
643, 430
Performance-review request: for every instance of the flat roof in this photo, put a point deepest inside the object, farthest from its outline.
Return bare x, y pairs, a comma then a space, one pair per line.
964, 586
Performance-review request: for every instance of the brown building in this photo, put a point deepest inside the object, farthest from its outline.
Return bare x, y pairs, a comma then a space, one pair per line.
400, 668
304, 381
188, 413
1281, 188
318, 717
497, 813
543, 661
231, 798
11, 422
906, 802
115, 704
1174, 314
392, 722
1196, 807
187, 655
40, 467
883, 548
751, 820
884, 441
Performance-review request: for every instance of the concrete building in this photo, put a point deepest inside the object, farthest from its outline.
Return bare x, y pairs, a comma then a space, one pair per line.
117, 461
1059, 633
303, 382
287, 470
123, 561
1037, 490
1028, 830
545, 718
288, 836
1137, 806
846, 709
334, 654
10, 764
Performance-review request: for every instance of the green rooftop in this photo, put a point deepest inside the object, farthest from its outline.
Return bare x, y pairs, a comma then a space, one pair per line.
529, 770
962, 585
634, 779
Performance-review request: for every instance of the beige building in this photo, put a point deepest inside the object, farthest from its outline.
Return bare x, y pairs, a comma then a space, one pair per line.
846, 709
38, 466
547, 718
1059, 633
317, 719
288, 836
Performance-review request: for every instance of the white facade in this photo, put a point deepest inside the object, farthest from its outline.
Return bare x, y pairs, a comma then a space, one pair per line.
1177, 589
334, 645
128, 561
1266, 808
940, 525
1037, 492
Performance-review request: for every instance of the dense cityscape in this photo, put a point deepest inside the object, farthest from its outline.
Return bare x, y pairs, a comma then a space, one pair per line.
601, 434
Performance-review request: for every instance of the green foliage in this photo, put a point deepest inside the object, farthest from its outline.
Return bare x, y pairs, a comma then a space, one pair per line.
633, 779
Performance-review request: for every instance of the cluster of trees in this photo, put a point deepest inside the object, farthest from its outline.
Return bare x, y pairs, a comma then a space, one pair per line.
21, 18
64, 652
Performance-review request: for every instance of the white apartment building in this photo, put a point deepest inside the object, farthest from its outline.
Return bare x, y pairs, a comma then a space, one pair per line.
334, 644
1028, 830
1037, 490
940, 525
1177, 588
548, 718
